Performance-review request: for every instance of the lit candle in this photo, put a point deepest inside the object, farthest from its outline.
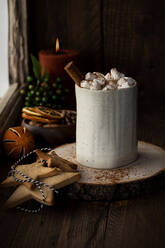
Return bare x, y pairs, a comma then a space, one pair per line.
57, 45
54, 61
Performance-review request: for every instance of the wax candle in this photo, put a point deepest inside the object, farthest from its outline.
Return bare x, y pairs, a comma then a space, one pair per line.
54, 61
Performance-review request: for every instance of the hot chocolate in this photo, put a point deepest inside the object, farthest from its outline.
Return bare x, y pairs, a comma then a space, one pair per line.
106, 120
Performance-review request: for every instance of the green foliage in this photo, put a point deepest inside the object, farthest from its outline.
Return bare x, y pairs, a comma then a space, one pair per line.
36, 67
40, 91
45, 76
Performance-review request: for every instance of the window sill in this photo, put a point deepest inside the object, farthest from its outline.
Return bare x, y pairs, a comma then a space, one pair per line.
10, 104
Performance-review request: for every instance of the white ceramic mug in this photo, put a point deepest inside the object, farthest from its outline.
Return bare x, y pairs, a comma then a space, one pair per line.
106, 127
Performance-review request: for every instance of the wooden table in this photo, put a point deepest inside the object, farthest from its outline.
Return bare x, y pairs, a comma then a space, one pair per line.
130, 223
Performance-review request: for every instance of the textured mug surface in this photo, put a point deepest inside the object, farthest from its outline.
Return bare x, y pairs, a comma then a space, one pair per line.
106, 127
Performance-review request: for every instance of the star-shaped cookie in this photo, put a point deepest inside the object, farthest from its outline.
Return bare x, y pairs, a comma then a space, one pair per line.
22, 193
58, 173
35, 170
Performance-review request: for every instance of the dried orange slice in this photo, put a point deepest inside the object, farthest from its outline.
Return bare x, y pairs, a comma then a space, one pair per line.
38, 118
49, 113
30, 111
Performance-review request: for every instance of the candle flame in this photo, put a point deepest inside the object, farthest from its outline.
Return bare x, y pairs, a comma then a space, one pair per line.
57, 45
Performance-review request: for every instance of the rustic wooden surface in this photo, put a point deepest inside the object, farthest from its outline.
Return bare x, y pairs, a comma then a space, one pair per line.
121, 183
125, 34
12, 106
5, 100
70, 223
150, 162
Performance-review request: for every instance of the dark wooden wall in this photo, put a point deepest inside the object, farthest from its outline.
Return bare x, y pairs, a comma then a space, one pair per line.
127, 34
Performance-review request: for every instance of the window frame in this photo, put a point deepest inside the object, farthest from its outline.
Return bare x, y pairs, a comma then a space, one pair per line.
4, 68
18, 51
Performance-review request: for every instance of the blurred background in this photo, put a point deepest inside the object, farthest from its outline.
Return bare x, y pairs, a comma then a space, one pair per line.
125, 34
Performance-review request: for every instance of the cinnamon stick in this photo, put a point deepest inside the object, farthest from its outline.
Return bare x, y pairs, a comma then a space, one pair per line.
74, 73
53, 160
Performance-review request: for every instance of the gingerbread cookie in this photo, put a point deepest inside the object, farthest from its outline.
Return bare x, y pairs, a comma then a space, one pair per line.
35, 170
23, 194
58, 173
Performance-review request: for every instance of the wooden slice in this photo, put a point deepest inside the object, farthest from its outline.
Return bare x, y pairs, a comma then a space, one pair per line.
138, 177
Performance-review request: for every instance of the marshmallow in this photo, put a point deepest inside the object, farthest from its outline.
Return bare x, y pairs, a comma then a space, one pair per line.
90, 76
122, 83
100, 81
108, 76
126, 82
95, 85
85, 84
131, 81
112, 80
115, 74
98, 74
110, 86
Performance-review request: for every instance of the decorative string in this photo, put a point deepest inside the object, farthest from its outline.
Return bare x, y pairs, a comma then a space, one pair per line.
28, 179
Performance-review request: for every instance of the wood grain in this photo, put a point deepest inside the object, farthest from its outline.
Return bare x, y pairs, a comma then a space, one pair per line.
84, 32
9, 116
115, 224
121, 183
72, 223
132, 42
66, 226
150, 162
123, 34
138, 217
5, 100
18, 41
78, 26
47, 24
